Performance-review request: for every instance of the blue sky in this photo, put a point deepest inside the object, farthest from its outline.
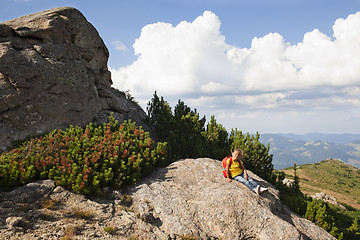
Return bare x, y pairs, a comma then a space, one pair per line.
257, 65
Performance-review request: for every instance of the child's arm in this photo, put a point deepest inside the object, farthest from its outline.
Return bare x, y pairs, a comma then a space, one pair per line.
245, 172
228, 171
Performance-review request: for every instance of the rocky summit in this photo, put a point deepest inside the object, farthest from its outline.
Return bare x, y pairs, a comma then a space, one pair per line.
53, 73
189, 199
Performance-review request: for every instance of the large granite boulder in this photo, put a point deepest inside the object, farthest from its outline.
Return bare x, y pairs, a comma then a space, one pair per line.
53, 73
189, 199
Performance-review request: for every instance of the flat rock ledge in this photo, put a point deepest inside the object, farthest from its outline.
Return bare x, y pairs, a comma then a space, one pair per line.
189, 198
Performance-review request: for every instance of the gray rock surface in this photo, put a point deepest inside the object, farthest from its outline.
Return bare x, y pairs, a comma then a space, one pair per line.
189, 198
327, 198
288, 182
53, 73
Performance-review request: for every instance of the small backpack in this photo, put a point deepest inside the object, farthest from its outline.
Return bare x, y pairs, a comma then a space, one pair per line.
224, 164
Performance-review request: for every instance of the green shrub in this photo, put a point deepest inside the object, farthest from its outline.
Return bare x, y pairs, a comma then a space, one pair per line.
216, 140
110, 230
256, 155
84, 160
182, 129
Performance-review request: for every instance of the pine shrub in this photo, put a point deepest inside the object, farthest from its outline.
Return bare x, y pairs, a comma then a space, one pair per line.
84, 160
256, 155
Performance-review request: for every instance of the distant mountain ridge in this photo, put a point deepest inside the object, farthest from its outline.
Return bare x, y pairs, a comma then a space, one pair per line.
331, 138
288, 149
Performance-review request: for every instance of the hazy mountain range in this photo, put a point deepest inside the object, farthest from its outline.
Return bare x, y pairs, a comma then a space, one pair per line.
310, 148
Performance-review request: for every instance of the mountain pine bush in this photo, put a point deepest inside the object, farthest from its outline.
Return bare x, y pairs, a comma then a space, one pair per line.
216, 140
181, 129
256, 156
84, 160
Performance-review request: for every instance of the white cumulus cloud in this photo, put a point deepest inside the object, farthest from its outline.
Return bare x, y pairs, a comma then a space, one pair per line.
183, 59
192, 61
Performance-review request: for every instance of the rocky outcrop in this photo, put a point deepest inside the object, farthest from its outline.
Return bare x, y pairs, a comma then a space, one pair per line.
327, 198
288, 182
53, 73
189, 198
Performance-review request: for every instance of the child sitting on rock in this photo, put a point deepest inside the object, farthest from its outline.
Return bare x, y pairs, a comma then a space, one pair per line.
235, 170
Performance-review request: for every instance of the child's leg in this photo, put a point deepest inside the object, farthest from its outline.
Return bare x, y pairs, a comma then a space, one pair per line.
253, 183
250, 183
